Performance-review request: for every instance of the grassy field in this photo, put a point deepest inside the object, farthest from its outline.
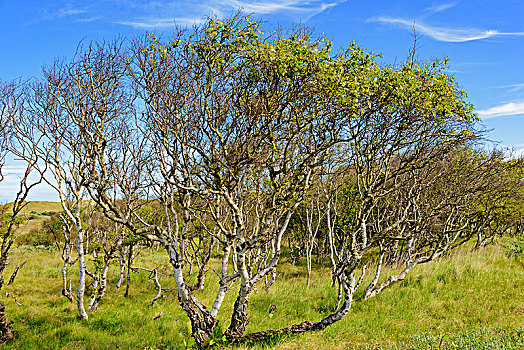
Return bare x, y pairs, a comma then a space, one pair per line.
474, 300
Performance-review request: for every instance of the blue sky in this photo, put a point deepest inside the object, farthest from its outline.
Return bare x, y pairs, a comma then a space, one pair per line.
484, 40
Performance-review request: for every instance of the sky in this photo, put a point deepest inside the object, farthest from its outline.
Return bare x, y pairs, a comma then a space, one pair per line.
483, 39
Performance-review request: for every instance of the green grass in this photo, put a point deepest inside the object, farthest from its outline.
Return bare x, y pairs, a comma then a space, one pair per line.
473, 299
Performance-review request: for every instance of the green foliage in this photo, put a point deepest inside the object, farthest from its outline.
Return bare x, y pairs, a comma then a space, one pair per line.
515, 247
6, 219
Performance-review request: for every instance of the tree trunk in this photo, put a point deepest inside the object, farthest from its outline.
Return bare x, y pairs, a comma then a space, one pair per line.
239, 319
272, 279
373, 283
309, 252
122, 261
202, 323
391, 279
158, 286
15, 272
65, 291
129, 258
82, 280
5, 325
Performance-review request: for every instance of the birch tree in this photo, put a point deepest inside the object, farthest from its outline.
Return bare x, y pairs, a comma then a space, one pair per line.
12, 104
231, 125
71, 95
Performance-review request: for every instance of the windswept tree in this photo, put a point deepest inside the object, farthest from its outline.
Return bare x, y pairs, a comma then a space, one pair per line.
12, 104
71, 95
410, 115
231, 128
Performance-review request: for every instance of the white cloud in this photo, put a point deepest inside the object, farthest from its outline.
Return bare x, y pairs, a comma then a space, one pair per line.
439, 8
160, 22
514, 152
446, 34
511, 108
512, 87
519, 153
10, 185
264, 7
89, 19
166, 14
69, 12
14, 169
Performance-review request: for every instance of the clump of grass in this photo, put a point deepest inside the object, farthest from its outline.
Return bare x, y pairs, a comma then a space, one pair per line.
482, 339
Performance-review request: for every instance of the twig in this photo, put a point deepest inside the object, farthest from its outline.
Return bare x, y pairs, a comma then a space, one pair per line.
7, 294
15, 272
158, 315
159, 287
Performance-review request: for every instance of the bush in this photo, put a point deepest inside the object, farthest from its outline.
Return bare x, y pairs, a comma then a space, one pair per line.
46, 236
515, 248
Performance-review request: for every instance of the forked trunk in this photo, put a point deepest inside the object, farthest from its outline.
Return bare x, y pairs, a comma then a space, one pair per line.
400, 277
101, 288
202, 322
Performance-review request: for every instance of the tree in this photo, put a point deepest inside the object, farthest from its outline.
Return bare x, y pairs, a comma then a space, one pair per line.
71, 95
230, 126
410, 116
12, 105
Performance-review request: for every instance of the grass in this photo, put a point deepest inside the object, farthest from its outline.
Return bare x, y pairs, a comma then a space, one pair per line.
474, 300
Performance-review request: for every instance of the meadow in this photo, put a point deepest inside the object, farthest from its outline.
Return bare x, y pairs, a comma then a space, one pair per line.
470, 300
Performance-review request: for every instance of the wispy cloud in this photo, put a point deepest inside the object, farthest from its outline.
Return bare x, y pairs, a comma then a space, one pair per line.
446, 34
160, 22
511, 87
69, 12
439, 8
511, 108
166, 13
14, 169
89, 19
310, 8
